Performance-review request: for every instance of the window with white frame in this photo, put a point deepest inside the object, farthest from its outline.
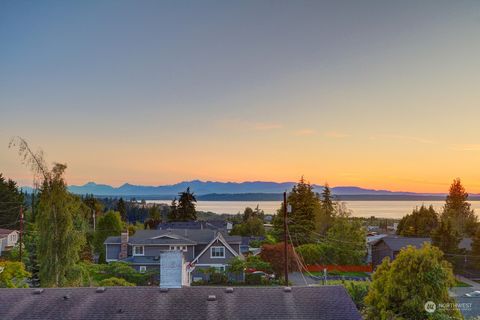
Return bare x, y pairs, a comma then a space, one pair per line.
217, 252
180, 248
138, 251
143, 269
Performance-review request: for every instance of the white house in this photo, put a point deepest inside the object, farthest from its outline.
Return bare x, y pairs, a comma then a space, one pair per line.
8, 239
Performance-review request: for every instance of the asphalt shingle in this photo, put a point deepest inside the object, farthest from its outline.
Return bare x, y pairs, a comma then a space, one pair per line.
325, 303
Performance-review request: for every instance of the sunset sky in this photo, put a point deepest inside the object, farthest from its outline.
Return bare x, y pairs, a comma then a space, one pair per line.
377, 94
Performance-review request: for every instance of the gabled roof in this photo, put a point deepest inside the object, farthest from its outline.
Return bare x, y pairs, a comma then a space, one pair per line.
6, 232
218, 237
322, 302
183, 237
396, 243
211, 224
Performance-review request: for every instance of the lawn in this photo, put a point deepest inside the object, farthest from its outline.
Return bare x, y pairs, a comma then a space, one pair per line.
461, 284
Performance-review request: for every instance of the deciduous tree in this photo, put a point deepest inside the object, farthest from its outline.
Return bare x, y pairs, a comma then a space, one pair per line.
401, 288
13, 275
110, 224
274, 255
59, 240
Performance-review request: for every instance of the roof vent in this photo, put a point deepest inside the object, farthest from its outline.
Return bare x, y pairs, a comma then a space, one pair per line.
38, 291
100, 289
66, 297
120, 310
165, 290
287, 289
229, 290
212, 297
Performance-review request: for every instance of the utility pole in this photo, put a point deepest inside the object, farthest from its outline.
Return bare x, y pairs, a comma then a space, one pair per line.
21, 231
285, 239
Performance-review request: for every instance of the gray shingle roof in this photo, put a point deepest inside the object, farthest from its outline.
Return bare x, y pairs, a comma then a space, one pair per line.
185, 236
211, 224
325, 302
396, 243
142, 260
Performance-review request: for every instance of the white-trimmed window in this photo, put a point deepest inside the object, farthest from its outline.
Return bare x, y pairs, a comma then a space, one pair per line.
217, 252
143, 269
180, 248
138, 251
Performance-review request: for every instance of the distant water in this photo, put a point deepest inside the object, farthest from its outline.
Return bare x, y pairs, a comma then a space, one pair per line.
380, 209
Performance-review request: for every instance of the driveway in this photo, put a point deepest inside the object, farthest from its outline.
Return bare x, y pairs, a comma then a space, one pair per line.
297, 279
470, 307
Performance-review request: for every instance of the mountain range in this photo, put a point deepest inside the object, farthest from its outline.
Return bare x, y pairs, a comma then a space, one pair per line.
202, 188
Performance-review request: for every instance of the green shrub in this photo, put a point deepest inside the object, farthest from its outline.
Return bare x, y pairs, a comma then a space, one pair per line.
218, 278
312, 253
254, 279
115, 282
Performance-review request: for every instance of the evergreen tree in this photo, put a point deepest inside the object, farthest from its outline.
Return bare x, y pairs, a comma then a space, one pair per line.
186, 206
301, 221
327, 200
154, 218
420, 223
476, 244
247, 214
446, 236
173, 212
459, 210
11, 198
326, 215
122, 208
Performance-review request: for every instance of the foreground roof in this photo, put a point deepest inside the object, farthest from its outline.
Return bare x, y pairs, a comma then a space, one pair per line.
325, 302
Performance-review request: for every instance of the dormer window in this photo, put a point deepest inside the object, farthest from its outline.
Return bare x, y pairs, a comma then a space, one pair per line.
138, 251
217, 252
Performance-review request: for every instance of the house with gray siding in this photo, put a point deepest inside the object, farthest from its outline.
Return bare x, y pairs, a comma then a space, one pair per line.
201, 249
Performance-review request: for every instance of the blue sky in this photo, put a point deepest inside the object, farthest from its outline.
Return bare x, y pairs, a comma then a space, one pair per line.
373, 93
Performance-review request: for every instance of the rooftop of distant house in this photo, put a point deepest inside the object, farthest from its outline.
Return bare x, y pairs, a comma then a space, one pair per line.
324, 302
5, 232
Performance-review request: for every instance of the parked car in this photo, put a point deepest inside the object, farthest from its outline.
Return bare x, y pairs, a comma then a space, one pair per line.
473, 294
264, 274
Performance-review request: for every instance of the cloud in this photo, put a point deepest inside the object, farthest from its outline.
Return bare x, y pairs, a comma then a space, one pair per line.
305, 132
404, 138
238, 124
336, 134
262, 126
466, 147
